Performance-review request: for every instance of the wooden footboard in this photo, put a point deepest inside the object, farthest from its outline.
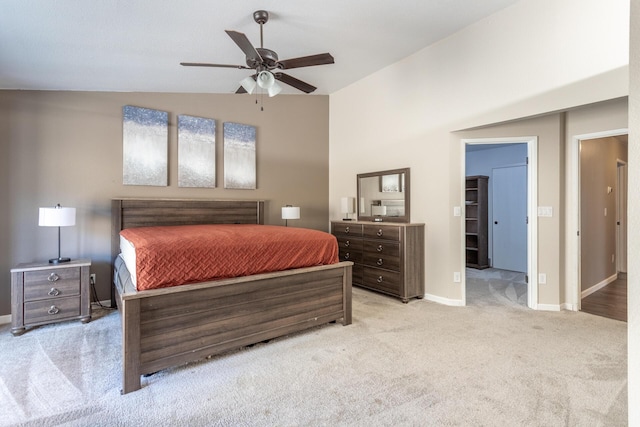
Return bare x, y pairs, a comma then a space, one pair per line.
171, 326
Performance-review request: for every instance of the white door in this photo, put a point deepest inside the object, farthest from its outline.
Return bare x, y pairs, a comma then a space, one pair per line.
509, 202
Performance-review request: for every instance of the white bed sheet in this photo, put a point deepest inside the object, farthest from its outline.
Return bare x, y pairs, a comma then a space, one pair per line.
128, 253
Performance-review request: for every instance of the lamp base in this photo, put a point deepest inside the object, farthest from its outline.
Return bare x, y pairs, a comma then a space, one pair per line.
59, 260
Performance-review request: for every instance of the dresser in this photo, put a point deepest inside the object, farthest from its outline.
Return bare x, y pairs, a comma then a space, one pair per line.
388, 258
43, 293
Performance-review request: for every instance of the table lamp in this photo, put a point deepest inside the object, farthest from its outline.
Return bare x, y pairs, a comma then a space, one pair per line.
57, 216
290, 212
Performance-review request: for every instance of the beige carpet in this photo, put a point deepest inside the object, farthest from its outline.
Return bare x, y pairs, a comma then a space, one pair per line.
492, 363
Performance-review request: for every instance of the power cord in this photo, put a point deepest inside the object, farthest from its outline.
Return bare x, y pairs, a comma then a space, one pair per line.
94, 294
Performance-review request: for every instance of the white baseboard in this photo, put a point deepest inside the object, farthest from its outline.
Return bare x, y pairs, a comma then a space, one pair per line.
598, 286
445, 301
548, 307
568, 306
5, 319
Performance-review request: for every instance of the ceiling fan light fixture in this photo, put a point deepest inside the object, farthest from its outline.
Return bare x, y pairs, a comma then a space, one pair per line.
274, 89
248, 84
266, 79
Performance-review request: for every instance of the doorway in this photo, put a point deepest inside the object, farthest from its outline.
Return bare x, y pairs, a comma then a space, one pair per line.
528, 165
601, 219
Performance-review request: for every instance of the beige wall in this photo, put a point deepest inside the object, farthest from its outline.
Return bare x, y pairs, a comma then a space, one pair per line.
66, 147
598, 171
528, 60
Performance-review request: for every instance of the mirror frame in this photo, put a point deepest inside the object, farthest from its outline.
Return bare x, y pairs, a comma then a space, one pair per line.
407, 195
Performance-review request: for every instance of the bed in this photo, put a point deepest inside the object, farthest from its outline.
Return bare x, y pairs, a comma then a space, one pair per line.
170, 326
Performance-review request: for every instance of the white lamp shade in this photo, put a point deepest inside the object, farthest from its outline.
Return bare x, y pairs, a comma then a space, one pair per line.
57, 217
274, 90
347, 205
265, 79
378, 210
290, 212
248, 84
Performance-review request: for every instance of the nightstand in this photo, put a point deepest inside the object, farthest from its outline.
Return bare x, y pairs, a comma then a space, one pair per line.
48, 293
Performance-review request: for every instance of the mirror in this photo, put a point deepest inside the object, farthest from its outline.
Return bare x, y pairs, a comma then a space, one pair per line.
384, 196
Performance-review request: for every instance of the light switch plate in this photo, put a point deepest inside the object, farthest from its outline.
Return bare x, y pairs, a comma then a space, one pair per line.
545, 211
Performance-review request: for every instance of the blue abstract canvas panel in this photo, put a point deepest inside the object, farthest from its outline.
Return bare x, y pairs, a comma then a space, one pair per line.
145, 145
196, 152
239, 156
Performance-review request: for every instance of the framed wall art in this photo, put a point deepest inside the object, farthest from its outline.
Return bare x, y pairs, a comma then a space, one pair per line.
196, 152
239, 156
145, 143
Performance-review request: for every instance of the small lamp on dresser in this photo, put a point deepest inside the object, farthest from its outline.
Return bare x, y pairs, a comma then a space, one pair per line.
347, 206
290, 212
57, 216
378, 212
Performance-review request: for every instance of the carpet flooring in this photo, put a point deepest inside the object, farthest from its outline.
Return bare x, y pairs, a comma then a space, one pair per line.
491, 363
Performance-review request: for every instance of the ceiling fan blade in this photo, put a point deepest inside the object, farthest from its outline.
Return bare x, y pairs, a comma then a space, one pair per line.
202, 64
243, 43
306, 61
241, 90
292, 81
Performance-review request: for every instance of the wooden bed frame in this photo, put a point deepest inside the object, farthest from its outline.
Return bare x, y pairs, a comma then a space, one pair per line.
171, 326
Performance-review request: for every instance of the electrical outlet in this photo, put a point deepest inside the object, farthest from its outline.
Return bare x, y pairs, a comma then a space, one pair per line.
92, 279
456, 277
542, 278
613, 258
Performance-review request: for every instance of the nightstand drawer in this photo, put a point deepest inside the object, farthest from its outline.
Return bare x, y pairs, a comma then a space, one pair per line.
51, 310
48, 284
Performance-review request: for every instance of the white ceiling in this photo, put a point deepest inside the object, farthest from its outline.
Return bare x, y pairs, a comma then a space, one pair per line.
136, 45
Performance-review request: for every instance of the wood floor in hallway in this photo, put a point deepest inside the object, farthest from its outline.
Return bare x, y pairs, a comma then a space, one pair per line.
610, 301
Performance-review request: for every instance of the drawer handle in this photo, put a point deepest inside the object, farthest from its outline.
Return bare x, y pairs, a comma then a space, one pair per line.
346, 244
379, 279
346, 229
53, 292
347, 255
379, 261
379, 233
53, 310
53, 277
379, 248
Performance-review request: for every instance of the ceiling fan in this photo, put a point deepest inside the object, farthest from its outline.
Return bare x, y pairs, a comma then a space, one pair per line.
268, 68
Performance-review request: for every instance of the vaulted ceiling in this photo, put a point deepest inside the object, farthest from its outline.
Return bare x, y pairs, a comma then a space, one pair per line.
137, 45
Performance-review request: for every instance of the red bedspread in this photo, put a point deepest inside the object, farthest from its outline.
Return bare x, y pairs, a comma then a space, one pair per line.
176, 255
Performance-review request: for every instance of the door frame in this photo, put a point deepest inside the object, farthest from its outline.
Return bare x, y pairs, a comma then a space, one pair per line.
572, 235
622, 202
532, 210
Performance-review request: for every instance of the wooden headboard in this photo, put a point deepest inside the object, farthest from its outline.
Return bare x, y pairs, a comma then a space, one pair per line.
128, 213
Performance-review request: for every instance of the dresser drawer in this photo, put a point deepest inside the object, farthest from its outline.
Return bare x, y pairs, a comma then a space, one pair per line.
350, 243
386, 281
350, 255
46, 311
48, 284
340, 229
382, 261
382, 248
386, 232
